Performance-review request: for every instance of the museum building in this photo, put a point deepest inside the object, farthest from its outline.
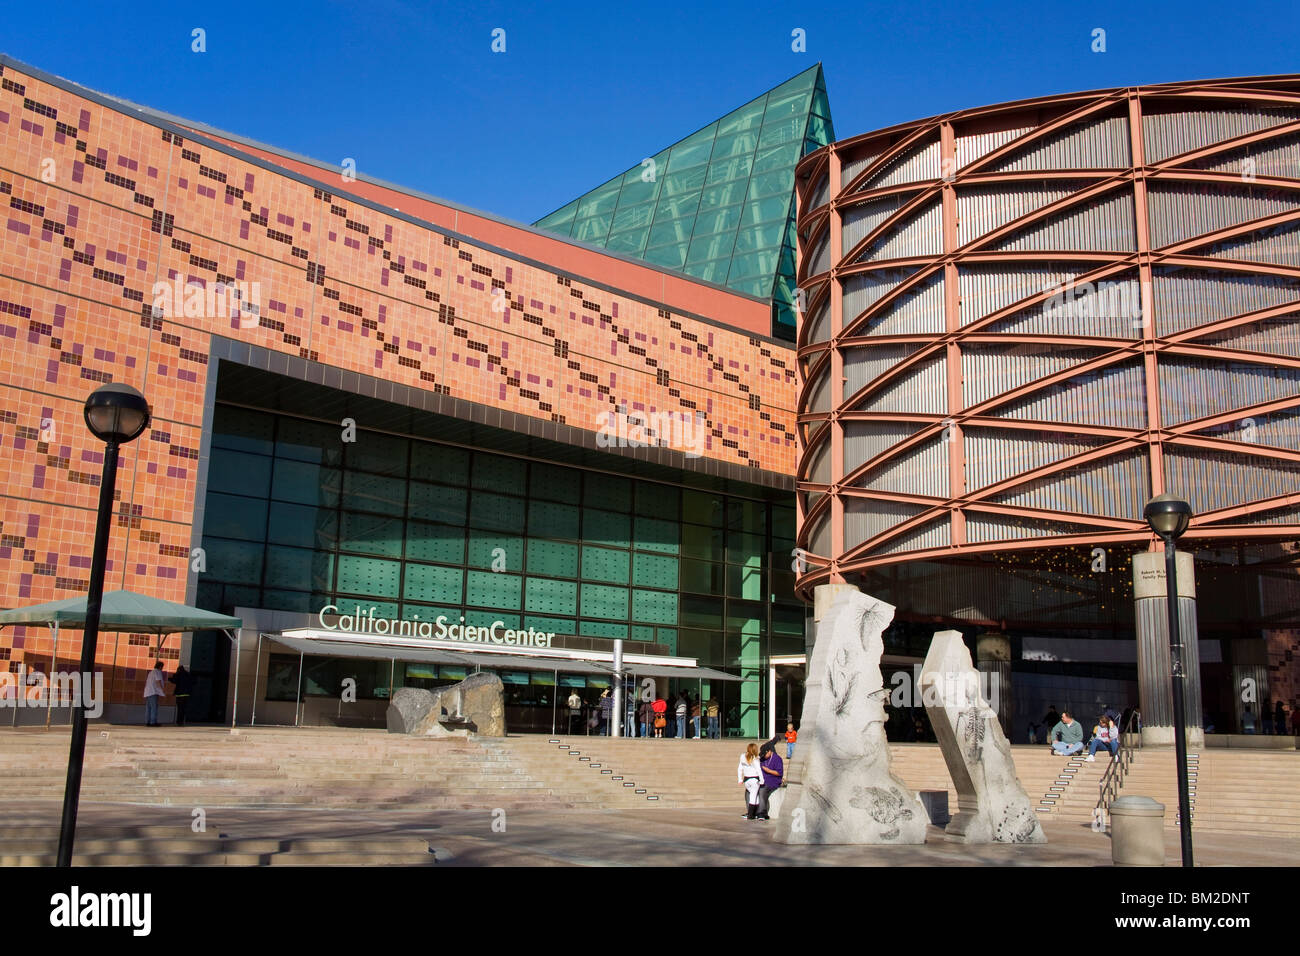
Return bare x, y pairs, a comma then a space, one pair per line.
1023, 322
371, 405
405, 441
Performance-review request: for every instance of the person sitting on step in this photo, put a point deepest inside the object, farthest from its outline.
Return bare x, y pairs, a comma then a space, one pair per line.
1067, 736
1105, 734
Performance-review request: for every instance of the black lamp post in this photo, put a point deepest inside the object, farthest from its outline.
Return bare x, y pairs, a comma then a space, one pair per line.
115, 414
1169, 517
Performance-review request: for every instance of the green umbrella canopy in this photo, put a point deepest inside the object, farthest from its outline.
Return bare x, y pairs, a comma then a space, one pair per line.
123, 611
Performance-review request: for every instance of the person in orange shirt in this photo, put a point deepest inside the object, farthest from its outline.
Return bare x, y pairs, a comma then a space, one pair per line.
790, 738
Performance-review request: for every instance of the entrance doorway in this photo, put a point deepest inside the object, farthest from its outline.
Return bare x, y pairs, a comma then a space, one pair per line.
788, 676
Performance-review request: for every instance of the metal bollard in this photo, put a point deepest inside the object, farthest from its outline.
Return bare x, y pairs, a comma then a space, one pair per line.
1137, 832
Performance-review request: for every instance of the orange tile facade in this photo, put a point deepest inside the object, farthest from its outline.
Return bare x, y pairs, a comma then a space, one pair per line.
100, 206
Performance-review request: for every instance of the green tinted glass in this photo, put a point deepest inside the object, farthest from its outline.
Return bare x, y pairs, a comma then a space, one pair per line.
549, 596
309, 441
430, 583
748, 154
609, 492
549, 519
657, 500
653, 534
489, 589
499, 473
378, 493
497, 552
606, 527
654, 571
604, 564
240, 562
235, 516
450, 466
600, 600
369, 576
434, 542
552, 557
242, 429
240, 473
371, 534
553, 483
437, 503
496, 512
382, 454
655, 607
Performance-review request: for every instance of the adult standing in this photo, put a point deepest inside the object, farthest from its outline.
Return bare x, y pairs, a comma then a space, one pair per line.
695, 717
773, 775
154, 689
714, 712
660, 710
1051, 719
749, 774
184, 682
647, 715
606, 712
681, 710
1279, 717
575, 710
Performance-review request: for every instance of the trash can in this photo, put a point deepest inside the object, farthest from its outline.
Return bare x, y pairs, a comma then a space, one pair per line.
936, 806
1137, 832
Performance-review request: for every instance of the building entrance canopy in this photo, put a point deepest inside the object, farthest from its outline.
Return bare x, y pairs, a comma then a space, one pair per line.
332, 643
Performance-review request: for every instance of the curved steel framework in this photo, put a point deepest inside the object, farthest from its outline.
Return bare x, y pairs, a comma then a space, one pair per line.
1020, 322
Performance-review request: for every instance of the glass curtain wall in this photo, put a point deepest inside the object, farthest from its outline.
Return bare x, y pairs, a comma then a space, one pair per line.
297, 519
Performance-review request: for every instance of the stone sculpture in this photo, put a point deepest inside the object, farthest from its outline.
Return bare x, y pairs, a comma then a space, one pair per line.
475, 705
839, 785
992, 806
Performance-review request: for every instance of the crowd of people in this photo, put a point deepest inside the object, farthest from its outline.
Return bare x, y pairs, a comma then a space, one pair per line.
1272, 719
683, 716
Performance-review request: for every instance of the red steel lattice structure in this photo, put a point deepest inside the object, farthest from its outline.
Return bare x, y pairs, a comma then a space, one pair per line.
1023, 321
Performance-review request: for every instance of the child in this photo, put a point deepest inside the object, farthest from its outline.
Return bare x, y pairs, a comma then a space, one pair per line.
790, 738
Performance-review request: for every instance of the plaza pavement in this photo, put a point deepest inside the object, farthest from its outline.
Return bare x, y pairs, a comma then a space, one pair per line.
651, 837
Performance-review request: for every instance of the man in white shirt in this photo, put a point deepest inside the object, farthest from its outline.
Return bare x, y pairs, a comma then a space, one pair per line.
575, 710
154, 689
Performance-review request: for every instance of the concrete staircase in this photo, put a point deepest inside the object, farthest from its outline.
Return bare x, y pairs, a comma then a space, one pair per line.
1072, 793
1247, 791
317, 767
1232, 791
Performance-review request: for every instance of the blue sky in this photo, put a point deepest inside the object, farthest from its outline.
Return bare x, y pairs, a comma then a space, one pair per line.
413, 92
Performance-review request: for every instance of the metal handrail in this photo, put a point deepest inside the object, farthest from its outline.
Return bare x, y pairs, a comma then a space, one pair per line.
1113, 779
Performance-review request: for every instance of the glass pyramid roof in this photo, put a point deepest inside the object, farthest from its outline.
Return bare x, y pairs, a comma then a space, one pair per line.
719, 204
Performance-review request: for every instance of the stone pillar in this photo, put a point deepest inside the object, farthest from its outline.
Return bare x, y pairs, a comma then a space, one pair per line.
993, 660
840, 788
824, 596
992, 806
1155, 688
